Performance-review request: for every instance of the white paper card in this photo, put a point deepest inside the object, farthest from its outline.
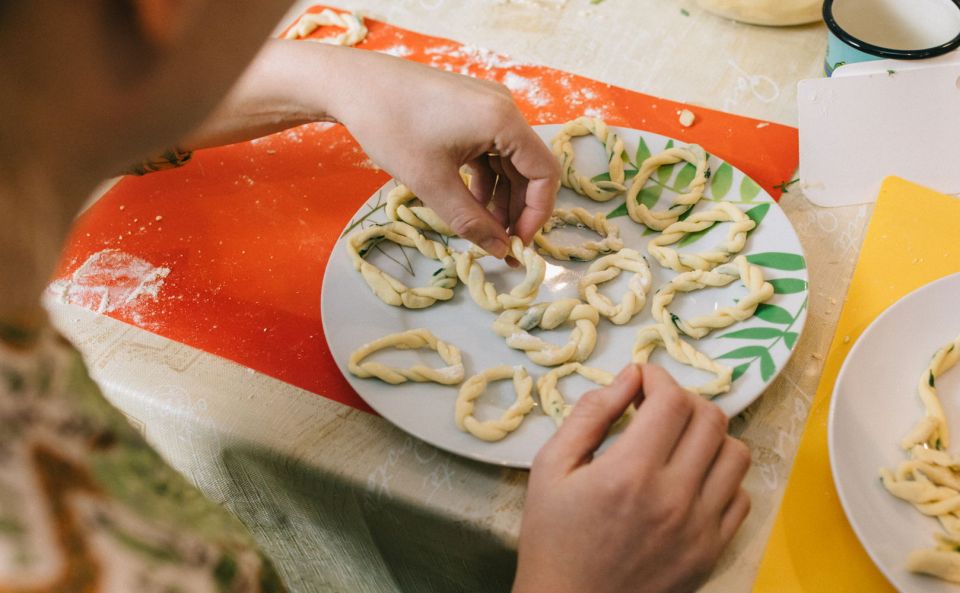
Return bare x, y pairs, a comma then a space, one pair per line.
857, 129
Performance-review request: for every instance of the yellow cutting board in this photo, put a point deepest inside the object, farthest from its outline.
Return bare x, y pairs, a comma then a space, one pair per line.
912, 240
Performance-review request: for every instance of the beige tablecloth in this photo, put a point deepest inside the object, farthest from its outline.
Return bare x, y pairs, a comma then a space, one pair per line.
345, 502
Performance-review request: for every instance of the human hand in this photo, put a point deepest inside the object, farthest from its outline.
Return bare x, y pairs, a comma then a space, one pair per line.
422, 124
652, 513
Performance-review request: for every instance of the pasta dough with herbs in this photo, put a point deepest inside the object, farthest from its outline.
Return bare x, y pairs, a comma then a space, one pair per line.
387, 288
658, 220
929, 478
485, 294
562, 146
610, 235
758, 291
452, 374
512, 417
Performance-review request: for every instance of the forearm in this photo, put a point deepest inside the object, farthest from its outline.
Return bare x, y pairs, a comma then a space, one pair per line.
288, 84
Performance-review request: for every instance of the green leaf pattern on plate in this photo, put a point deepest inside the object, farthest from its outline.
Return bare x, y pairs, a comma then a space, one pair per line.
776, 260
721, 181
749, 189
643, 152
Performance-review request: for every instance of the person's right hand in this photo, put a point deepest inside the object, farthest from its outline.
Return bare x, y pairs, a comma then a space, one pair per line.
651, 513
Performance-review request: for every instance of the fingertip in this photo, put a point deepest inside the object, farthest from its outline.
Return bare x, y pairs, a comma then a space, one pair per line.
495, 246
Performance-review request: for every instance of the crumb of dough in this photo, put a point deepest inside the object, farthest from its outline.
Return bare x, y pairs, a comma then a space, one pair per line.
686, 118
846, 339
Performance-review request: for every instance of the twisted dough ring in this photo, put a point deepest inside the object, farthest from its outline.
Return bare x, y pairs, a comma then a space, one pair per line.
609, 267
418, 216
514, 325
650, 337
587, 251
933, 427
758, 289
562, 147
930, 478
308, 23
484, 293
389, 289
685, 262
451, 374
661, 219
552, 401
473, 388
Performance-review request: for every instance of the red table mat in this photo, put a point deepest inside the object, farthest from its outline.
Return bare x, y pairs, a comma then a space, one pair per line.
227, 253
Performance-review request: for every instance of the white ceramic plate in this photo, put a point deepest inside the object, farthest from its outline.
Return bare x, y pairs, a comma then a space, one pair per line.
874, 405
353, 316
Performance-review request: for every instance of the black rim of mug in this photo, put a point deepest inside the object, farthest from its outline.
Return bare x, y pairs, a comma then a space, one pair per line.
884, 52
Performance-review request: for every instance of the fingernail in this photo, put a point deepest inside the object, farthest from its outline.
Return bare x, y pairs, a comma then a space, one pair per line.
495, 247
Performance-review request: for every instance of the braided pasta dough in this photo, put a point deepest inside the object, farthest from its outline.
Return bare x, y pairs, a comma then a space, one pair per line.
515, 324
485, 294
741, 224
930, 478
661, 219
609, 267
562, 147
758, 289
473, 388
587, 251
932, 430
452, 374
308, 23
389, 289
650, 337
418, 216
552, 401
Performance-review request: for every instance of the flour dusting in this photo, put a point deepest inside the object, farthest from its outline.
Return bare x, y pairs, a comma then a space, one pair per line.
480, 57
110, 280
530, 89
400, 51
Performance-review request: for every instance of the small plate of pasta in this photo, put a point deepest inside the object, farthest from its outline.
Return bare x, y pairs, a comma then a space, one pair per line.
656, 252
894, 439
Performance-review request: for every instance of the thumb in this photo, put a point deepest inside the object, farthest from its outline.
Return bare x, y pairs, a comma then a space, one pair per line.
456, 205
587, 425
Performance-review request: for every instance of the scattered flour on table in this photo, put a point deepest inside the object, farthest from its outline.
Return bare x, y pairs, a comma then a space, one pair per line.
529, 88
480, 57
600, 112
109, 280
400, 51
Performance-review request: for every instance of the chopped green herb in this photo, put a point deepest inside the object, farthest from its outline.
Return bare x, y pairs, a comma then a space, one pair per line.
784, 186
684, 12
675, 319
938, 445
891, 72
931, 380
595, 1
